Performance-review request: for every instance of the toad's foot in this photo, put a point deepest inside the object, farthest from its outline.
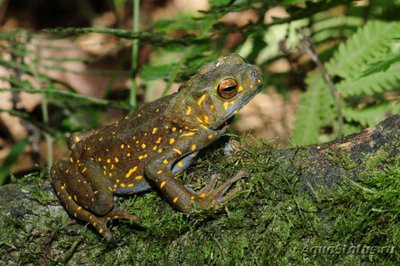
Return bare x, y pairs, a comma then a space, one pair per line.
100, 223
210, 197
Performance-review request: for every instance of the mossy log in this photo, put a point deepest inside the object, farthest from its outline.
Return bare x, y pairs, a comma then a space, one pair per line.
333, 202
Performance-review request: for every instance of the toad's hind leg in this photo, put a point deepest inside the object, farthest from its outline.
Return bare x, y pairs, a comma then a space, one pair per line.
86, 195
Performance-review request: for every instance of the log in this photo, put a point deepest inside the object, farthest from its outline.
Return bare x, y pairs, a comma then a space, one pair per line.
313, 204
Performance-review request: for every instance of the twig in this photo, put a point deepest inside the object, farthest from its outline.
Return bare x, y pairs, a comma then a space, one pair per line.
135, 50
308, 47
44, 108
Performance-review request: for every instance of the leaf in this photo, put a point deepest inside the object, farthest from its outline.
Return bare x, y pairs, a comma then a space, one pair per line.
156, 72
371, 42
371, 115
11, 158
380, 66
308, 117
374, 83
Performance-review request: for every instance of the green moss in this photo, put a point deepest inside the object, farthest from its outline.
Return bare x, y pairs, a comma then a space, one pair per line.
269, 221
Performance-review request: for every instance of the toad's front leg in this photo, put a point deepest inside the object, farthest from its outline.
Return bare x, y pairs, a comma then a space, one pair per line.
160, 172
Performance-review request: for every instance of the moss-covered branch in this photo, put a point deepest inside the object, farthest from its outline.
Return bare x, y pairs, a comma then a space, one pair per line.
331, 203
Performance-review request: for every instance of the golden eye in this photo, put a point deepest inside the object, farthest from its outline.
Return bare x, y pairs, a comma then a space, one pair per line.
228, 88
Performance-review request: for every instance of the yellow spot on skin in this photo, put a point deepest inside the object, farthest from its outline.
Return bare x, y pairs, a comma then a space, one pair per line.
165, 161
258, 81
226, 105
187, 134
143, 146
154, 131
62, 187
193, 147
202, 195
116, 159
75, 214
171, 141
175, 200
104, 167
155, 147
95, 192
128, 154
210, 136
173, 129
79, 208
140, 157
101, 230
84, 170
192, 197
99, 159
232, 102
123, 185
212, 106
67, 171
240, 88
159, 172
177, 151
110, 174
104, 172
112, 166
101, 139
77, 139
145, 156
138, 177
117, 180
122, 146
180, 164
129, 185
206, 120
158, 141
162, 184
201, 99
132, 170
160, 150
75, 198
108, 160
189, 110
199, 119
71, 159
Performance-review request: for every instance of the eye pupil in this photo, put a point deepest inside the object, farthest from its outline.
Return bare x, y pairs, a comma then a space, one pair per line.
228, 88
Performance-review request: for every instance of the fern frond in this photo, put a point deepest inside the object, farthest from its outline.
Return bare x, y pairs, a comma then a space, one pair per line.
370, 44
374, 83
370, 115
381, 66
314, 112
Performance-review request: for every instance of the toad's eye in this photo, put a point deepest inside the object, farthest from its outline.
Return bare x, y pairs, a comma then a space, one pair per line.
228, 88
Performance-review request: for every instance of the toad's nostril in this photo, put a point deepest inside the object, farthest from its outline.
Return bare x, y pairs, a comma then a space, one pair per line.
253, 74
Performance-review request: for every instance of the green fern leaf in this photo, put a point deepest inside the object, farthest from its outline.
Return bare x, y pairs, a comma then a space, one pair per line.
370, 115
381, 66
314, 112
370, 43
374, 83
